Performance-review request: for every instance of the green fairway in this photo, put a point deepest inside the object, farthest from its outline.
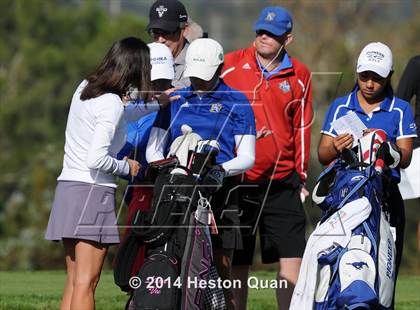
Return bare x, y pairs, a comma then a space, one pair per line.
42, 290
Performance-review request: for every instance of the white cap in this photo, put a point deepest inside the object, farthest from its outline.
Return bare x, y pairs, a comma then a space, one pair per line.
162, 62
376, 57
203, 58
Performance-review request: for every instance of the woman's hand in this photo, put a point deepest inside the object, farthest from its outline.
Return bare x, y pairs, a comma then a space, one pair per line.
134, 166
165, 97
331, 147
343, 141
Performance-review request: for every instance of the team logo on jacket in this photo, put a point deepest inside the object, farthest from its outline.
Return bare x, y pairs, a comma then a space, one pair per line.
216, 107
284, 86
161, 10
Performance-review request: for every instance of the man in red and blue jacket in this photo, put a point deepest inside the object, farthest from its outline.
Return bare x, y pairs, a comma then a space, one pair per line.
279, 89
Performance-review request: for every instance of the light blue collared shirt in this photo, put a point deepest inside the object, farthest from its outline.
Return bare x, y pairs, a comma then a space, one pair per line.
285, 64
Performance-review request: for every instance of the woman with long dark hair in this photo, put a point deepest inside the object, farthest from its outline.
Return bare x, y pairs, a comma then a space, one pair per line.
83, 215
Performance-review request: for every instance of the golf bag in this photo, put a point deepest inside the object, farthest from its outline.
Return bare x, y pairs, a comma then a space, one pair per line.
175, 231
349, 261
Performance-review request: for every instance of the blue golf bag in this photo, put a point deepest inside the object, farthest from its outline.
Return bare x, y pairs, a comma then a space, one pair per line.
349, 261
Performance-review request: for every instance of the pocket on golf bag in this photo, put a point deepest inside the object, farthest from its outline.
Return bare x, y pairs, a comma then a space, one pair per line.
159, 289
172, 197
357, 273
125, 258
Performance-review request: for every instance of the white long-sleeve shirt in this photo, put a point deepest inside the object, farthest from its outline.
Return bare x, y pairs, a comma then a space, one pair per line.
95, 133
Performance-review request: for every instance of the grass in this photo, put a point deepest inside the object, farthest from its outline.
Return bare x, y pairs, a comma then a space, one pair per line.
42, 290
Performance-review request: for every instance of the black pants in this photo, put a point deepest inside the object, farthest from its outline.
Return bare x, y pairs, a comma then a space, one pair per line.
226, 213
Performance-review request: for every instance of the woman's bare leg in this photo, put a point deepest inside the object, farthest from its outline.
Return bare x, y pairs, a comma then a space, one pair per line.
69, 250
89, 261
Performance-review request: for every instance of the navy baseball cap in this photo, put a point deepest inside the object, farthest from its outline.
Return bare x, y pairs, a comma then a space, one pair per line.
274, 19
167, 15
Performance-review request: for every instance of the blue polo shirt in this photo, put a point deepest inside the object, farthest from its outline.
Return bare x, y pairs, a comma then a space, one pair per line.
219, 115
394, 116
137, 136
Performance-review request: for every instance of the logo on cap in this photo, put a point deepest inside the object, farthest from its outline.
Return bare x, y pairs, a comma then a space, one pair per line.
375, 56
159, 60
161, 10
196, 59
270, 16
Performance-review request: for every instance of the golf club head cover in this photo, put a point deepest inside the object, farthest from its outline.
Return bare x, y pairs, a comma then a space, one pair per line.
390, 153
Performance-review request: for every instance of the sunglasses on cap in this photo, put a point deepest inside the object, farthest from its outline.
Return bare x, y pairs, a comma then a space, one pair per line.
156, 32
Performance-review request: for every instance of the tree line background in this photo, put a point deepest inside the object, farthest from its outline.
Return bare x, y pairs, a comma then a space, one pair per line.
48, 46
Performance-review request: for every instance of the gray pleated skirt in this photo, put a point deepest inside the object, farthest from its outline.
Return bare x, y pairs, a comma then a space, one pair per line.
83, 211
